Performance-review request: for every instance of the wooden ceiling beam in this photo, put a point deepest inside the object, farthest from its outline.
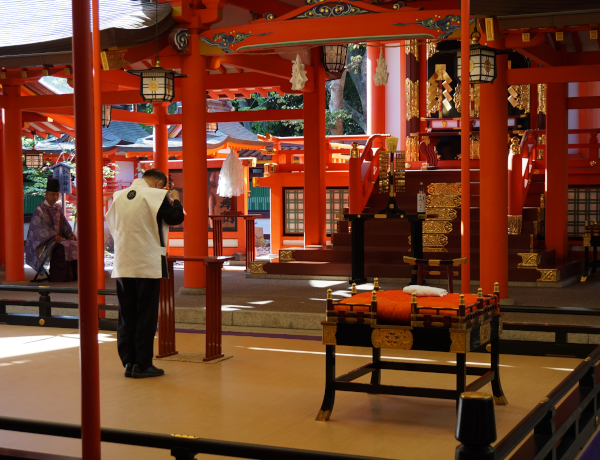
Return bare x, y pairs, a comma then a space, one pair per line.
543, 54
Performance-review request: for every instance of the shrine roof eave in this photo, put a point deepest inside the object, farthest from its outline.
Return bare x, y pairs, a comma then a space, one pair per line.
123, 24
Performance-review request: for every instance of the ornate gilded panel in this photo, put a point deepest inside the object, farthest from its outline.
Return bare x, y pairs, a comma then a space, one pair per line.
529, 260
461, 342
549, 275
412, 47
392, 338
113, 59
541, 99
442, 214
431, 47
444, 189
329, 331
412, 148
436, 226
412, 99
443, 201
435, 240
485, 333
256, 268
514, 225
286, 255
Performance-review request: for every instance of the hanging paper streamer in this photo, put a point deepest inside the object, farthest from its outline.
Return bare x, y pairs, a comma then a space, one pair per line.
299, 77
381, 73
231, 178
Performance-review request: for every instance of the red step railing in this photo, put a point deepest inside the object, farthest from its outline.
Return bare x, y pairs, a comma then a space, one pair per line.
361, 186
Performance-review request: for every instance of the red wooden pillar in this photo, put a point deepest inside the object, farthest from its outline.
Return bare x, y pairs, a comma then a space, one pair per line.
375, 94
2, 209
465, 148
12, 181
493, 194
166, 314
195, 172
99, 161
315, 158
161, 138
86, 210
557, 170
217, 226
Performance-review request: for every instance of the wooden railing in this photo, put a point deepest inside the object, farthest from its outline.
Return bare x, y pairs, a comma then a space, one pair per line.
361, 185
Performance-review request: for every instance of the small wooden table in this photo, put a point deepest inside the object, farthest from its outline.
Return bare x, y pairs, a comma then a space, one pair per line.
166, 311
250, 234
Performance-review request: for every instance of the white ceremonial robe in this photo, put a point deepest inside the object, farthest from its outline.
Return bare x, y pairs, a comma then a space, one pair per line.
132, 223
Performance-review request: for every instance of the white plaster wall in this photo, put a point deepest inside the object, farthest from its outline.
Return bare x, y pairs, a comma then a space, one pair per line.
573, 116
125, 171
392, 92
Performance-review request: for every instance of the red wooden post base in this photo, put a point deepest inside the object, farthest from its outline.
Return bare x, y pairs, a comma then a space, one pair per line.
217, 222
166, 315
249, 221
213, 307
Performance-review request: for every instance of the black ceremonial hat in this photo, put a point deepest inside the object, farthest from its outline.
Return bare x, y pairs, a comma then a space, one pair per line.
53, 185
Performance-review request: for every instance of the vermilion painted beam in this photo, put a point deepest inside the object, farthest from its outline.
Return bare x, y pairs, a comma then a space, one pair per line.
33, 117
256, 115
543, 54
244, 80
269, 65
263, 7
563, 74
589, 102
135, 117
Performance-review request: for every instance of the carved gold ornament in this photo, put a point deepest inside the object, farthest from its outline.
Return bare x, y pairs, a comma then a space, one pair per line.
541, 99
286, 255
442, 214
474, 93
329, 331
435, 226
443, 201
435, 240
256, 268
474, 147
515, 148
444, 189
412, 47
153, 86
461, 342
485, 333
392, 338
412, 99
529, 259
548, 275
514, 225
431, 47
113, 59
412, 148
520, 97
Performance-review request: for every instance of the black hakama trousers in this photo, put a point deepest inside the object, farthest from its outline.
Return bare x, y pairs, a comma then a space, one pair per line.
138, 319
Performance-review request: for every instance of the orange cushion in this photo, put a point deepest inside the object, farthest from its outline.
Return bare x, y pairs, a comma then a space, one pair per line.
394, 306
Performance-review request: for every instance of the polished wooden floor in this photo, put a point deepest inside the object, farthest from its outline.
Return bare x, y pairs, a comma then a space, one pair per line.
268, 393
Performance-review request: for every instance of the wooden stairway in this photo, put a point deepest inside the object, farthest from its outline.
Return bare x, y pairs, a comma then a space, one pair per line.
386, 240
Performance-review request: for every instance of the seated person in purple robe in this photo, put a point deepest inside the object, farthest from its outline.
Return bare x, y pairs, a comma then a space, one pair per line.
50, 237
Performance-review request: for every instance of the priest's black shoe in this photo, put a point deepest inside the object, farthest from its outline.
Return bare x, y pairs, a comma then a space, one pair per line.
128, 369
139, 373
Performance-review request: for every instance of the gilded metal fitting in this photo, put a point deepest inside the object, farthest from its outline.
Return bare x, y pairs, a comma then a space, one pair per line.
461, 302
354, 153
479, 294
496, 288
329, 295
376, 283
514, 225
353, 288
374, 296
413, 300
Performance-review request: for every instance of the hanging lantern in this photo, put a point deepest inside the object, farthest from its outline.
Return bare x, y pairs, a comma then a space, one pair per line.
482, 65
157, 84
334, 59
106, 115
34, 159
